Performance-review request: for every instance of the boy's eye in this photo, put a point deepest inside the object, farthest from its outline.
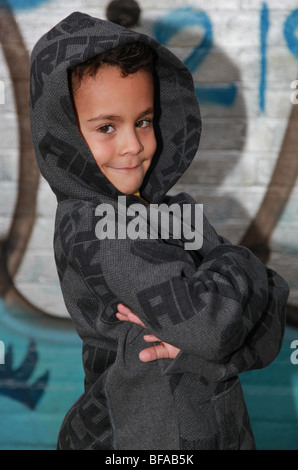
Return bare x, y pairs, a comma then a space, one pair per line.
143, 123
107, 129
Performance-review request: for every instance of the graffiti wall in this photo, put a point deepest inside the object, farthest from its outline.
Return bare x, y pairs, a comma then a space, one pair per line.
244, 59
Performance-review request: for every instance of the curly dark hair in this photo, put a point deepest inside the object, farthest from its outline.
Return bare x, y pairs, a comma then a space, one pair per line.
130, 58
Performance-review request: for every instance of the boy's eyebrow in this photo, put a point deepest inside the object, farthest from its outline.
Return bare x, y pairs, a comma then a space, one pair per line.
103, 117
114, 117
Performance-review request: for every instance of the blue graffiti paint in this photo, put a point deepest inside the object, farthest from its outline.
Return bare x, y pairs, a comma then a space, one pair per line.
59, 351
182, 18
291, 32
224, 95
21, 4
264, 27
179, 19
14, 382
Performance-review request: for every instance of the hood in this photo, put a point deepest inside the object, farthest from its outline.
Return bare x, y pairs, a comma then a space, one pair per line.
64, 158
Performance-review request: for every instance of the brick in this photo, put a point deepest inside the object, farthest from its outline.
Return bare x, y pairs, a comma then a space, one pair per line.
223, 135
47, 202
236, 28
38, 267
9, 166
8, 132
7, 198
42, 235
5, 222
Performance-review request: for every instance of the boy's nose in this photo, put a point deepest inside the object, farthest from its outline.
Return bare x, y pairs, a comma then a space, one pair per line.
131, 144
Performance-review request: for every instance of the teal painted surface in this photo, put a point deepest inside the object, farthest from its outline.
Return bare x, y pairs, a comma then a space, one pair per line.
59, 352
271, 394
272, 400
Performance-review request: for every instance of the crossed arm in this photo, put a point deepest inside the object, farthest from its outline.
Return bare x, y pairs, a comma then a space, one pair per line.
230, 308
160, 351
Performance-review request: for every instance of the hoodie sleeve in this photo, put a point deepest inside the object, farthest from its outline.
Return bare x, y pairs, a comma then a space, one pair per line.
226, 313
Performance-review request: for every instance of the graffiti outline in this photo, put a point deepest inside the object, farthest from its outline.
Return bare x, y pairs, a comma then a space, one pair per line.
165, 28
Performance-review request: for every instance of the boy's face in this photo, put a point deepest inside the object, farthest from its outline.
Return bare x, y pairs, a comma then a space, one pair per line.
115, 117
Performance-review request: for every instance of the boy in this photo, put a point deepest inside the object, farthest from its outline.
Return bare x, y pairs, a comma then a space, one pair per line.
114, 115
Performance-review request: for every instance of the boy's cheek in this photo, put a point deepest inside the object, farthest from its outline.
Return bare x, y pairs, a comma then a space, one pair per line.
101, 153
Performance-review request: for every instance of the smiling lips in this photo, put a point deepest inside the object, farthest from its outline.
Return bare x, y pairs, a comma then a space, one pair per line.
128, 168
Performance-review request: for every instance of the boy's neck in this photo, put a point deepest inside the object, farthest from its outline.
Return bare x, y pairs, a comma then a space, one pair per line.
137, 193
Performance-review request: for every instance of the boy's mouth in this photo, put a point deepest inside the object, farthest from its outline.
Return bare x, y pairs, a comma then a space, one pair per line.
128, 168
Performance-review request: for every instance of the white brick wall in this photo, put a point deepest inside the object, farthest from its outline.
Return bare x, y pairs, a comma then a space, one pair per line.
239, 147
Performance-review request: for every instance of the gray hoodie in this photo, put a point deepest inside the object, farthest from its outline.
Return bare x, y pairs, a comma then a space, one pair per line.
218, 304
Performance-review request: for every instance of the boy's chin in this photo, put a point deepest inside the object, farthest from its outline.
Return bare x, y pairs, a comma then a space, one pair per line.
128, 190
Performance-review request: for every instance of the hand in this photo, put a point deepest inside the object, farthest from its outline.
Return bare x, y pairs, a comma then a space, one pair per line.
161, 351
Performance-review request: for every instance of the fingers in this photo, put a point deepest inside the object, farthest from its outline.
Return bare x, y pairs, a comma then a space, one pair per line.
123, 309
159, 351
151, 338
153, 353
125, 314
